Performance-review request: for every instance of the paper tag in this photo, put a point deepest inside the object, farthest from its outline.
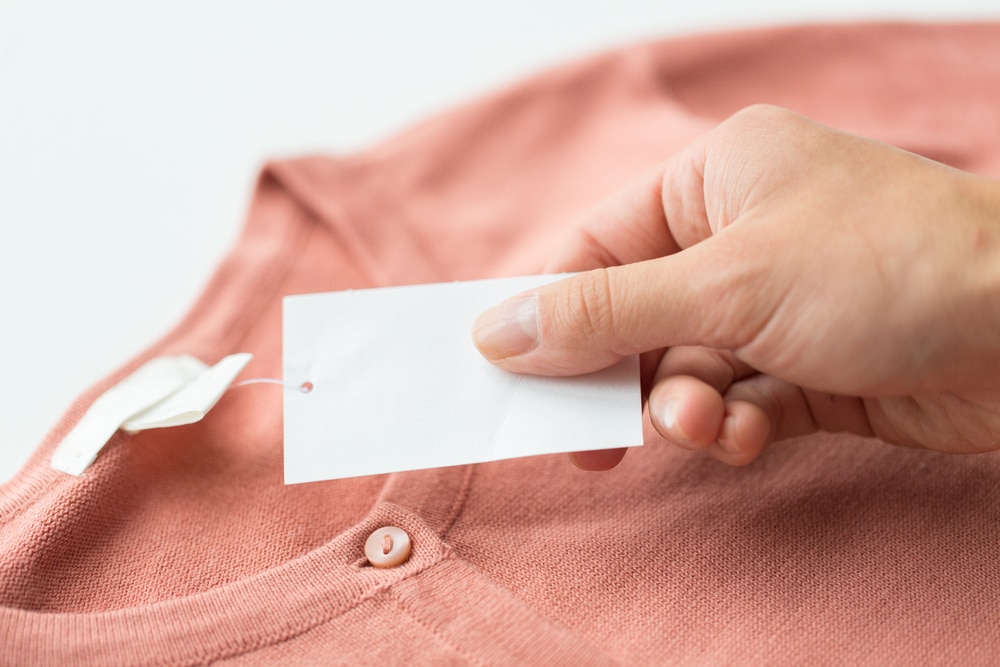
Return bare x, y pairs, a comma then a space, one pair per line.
397, 384
165, 391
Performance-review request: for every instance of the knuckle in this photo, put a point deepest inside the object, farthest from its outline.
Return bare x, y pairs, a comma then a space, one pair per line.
758, 115
590, 306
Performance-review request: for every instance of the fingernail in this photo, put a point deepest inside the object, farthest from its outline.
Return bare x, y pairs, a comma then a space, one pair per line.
668, 417
507, 329
668, 413
727, 436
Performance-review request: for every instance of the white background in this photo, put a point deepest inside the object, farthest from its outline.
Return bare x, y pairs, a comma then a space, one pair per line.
131, 130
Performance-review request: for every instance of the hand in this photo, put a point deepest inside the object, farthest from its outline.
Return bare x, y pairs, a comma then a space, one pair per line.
781, 278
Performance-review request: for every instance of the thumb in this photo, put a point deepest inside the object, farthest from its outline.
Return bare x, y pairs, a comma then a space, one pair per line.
594, 319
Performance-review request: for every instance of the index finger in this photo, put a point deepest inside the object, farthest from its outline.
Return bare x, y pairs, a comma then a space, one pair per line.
659, 214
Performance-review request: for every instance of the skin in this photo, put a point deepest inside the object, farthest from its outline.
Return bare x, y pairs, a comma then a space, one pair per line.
779, 278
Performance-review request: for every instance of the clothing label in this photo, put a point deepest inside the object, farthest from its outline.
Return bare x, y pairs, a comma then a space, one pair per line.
395, 383
191, 402
165, 391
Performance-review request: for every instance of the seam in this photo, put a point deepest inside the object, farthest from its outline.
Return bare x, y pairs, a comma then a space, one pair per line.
434, 632
286, 634
459, 503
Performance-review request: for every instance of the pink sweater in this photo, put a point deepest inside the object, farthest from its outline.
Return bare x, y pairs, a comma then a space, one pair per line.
183, 546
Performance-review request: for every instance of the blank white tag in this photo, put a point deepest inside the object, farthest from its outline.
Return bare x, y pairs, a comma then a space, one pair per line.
397, 384
165, 391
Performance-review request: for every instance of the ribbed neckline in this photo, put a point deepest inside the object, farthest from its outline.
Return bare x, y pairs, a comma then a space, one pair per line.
272, 606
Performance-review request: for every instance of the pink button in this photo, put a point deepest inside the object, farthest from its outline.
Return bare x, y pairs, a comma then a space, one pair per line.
387, 547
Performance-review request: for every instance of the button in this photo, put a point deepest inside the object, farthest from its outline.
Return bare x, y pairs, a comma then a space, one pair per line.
388, 547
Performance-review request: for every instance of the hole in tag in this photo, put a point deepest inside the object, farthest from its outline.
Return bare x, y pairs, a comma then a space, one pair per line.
306, 387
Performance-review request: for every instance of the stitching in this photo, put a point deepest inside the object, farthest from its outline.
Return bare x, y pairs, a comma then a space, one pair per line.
459, 504
434, 632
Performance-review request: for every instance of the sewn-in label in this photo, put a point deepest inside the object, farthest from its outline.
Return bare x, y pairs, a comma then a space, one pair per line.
191, 402
165, 391
395, 384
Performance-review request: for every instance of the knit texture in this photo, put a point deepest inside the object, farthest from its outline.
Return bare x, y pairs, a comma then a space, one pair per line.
183, 546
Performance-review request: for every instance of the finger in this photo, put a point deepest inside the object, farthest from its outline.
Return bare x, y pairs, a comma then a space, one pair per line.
761, 410
744, 433
673, 207
628, 227
599, 459
696, 403
714, 294
732, 431
701, 289
718, 368
659, 214
793, 411
686, 401
687, 411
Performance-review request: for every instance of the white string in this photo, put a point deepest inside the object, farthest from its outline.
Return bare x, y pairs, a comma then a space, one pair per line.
260, 381
305, 387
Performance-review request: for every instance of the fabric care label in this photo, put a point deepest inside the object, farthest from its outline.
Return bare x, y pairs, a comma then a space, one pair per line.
388, 380
163, 392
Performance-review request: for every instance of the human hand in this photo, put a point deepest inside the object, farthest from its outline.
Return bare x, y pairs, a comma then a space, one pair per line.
781, 278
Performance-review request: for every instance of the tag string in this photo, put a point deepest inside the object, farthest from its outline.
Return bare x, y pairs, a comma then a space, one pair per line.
305, 387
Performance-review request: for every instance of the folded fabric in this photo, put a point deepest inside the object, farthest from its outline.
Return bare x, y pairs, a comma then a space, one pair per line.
182, 545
